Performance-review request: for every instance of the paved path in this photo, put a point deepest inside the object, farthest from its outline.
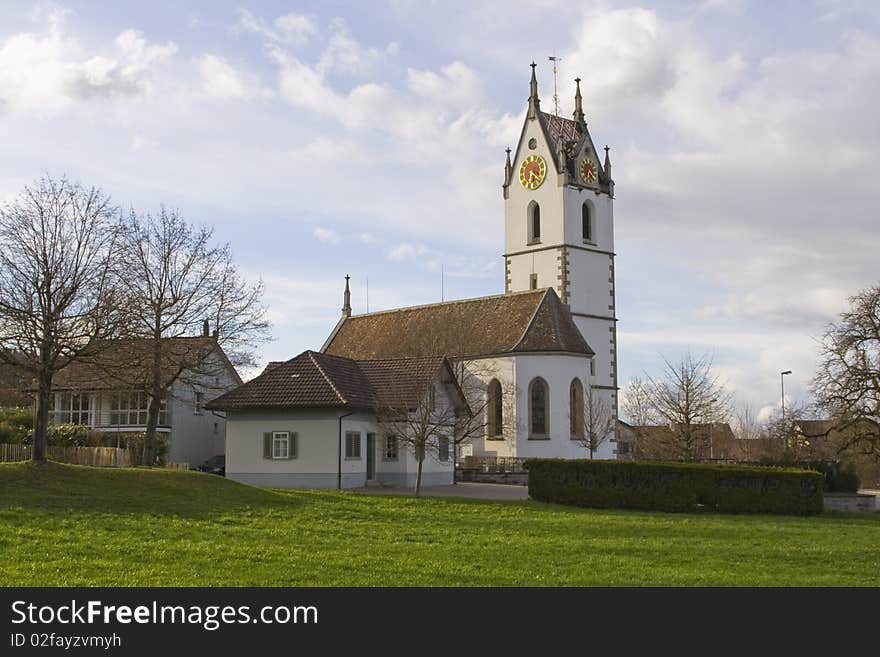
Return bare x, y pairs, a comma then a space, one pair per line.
466, 489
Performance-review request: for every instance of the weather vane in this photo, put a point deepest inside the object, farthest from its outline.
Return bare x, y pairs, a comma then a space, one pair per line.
555, 60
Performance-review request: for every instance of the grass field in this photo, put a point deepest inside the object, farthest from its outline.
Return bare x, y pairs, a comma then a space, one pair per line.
77, 526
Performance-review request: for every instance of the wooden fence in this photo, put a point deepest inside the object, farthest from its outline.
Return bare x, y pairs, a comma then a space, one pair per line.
100, 456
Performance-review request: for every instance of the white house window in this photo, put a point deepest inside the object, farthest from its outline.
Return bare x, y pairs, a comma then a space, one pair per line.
391, 448
280, 445
592, 367
352, 444
443, 448
72, 408
198, 400
130, 409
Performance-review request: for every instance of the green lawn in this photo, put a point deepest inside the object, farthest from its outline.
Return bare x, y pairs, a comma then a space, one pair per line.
75, 526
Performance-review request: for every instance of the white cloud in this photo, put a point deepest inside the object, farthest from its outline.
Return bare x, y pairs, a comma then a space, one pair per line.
325, 234
42, 74
292, 29
219, 79
406, 251
344, 54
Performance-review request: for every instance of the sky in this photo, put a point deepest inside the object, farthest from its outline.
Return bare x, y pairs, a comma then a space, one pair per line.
367, 138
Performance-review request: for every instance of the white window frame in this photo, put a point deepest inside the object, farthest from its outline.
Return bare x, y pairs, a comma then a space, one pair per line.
389, 454
280, 439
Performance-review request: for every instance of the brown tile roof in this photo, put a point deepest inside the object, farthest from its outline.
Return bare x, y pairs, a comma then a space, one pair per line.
316, 380
126, 363
507, 323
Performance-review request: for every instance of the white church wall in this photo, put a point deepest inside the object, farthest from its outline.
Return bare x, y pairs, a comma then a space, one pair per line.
503, 369
558, 371
543, 263
602, 218
547, 196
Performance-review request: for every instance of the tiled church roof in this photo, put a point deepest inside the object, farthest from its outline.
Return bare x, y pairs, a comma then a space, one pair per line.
519, 322
316, 380
564, 129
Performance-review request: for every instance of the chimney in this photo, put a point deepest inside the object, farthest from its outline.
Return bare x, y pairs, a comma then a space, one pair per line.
346, 299
205, 329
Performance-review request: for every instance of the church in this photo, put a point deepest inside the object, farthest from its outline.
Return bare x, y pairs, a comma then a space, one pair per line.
536, 365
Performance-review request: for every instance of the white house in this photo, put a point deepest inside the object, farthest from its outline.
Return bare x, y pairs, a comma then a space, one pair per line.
321, 421
106, 391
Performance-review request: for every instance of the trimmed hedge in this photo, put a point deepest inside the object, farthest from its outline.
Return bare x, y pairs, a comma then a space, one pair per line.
675, 486
839, 477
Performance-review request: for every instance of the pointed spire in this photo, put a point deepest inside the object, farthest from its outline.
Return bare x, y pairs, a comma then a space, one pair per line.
607, 163
534, 102
346, 303
508, 168
578, 103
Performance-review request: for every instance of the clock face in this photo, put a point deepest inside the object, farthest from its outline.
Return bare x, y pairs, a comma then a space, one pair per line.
532, 172
589, 172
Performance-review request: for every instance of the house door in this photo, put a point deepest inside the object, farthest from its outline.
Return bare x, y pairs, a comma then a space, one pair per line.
371, 456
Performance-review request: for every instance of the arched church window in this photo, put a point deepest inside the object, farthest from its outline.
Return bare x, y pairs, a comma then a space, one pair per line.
494, 411
534, 216
538, 407
576, 406
587, 222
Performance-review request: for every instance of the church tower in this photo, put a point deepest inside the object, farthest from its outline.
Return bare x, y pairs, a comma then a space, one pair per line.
559, 227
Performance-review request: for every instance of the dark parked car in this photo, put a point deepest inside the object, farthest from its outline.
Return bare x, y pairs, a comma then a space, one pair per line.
214, 465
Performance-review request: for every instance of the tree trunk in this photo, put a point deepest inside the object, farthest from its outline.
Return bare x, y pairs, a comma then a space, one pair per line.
420, 453
155, 393
41, 419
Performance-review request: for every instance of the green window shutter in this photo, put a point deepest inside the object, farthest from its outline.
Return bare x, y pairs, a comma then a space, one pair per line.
293, 446
267, 445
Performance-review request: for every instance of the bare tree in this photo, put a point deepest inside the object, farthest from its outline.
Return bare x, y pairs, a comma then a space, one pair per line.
789, 441
847, 381
637, 406
596, 424
749, 434
427, 427
687, 395
175, 279
57, 241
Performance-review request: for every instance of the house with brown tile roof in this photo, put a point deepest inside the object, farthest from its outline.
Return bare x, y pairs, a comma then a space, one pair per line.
105, 389
323, 421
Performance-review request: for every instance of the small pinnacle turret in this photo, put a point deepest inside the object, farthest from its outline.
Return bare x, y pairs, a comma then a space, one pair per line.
607, 166
578, 104
534, 101
346, 299
508, 169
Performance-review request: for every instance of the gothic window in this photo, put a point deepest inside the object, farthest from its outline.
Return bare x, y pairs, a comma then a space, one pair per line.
576, 405
494, 412
538, 409
587, 222
534, 215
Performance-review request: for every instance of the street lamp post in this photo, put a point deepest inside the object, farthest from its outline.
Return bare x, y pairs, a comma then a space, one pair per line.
782, 376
